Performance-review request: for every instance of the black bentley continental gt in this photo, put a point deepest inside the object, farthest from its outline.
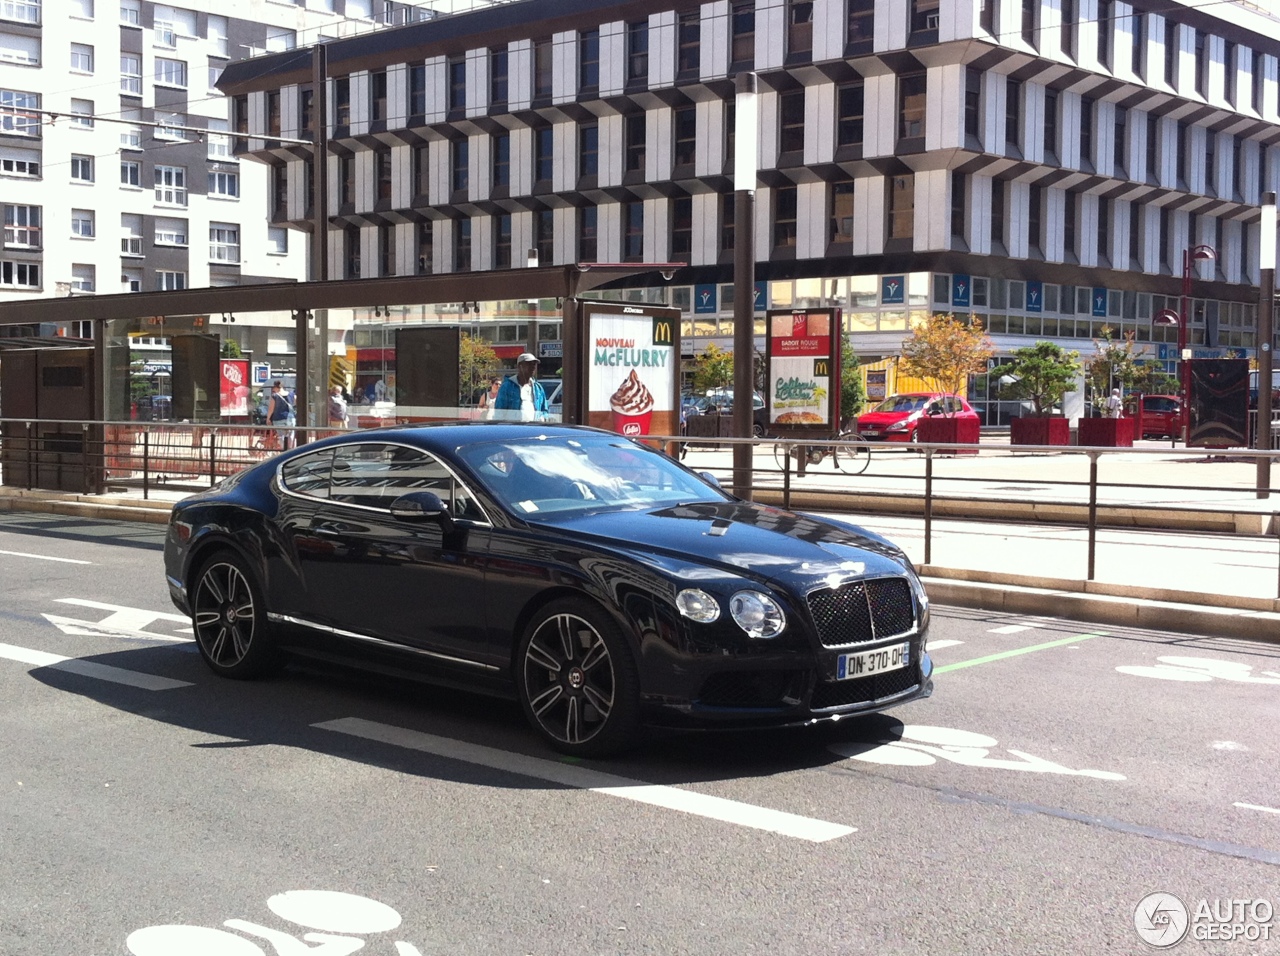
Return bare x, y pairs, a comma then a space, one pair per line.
595, 579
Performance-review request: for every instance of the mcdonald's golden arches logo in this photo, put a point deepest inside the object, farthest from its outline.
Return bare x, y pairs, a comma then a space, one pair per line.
821, 368
662, 332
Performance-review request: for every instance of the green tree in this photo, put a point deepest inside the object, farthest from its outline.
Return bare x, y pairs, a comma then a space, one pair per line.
231, 349
477, 361
1042, 373
713, 368
945, 351
1116, 365
853, 393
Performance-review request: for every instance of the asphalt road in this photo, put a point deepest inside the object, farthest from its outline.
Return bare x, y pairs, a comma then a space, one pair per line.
1059, 775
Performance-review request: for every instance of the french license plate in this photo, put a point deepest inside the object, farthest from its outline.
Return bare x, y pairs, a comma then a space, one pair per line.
870, 432
866, 663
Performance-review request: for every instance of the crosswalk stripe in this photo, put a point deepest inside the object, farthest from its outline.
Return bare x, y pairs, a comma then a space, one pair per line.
74, 665
1012, 629
583, 778
939, 645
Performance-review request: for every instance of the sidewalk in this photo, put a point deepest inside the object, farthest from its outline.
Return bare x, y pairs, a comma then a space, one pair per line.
1184, 543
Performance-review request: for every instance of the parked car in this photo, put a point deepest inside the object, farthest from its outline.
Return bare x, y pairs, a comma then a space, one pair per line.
896, 418
721, 400
1161, 416
596, 580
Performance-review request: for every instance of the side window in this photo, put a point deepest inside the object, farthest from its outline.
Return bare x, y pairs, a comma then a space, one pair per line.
374, 475
308, 474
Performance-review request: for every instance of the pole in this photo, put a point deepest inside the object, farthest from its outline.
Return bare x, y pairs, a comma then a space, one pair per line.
746, 132
1266, 317
1183, 368
319, 233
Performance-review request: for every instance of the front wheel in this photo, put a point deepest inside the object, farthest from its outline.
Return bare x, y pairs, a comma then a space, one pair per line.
852, 457
229, 619
577, 678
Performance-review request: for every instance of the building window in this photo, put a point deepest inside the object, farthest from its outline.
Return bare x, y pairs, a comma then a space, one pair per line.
130, 74
82, 114
911, 105
1229, 80
498, 78
171, 185
727, 224
924, 16
1171, 50
171, 281
502, 159
1106, 32
1035, 220
1121, 142
130, 173
130, 234
860, 35
83, 277
587, 247
638, 53
633, 231
972, 104
18, 167
277, 241
800, 27
82, 223
1051, 126
542, 69
20, 50
784, 217
457, 79
273, 113
987, 16
544, 235
460, 173
959, 207
378, 96
902, 206
386, 250
681, 228
81, 57
1069, 227
742, 50
1068, 28
635, 142
1181, 157
1086, 134
24, 275
1153, 148
849, 117
462, 245
351, 252
22, 11
342, 101
382, 174
502, 241
686, 135
426, 247
1013, 118
842, 211
417, 91
82, 9
280, 189
589, 61
171, 72
689, 44
224, 242
224, 184
543, 154
82, 168
1030, 14
22, 227
18, 113
589, 150
346, 180
170, 232
997, 215
130, 280
791, 121
1202, 63
1103, 237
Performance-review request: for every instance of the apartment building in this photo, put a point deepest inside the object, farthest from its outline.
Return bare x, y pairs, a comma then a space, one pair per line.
1044, 165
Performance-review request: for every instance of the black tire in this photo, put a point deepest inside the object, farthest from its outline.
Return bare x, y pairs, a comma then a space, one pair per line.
780, 452
852, 457
577, 680
229, 620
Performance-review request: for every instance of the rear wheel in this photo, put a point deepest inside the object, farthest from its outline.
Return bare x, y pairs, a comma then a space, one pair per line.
229, 619
853, 456
578, 682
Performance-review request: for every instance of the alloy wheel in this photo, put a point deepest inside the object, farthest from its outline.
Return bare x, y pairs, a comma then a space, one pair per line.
569, 679
224, 615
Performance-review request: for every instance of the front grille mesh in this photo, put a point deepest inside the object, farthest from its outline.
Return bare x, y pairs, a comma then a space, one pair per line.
752, 688
831, 694
863, 611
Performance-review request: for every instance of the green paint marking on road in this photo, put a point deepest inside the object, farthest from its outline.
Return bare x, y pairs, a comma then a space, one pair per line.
1016, 651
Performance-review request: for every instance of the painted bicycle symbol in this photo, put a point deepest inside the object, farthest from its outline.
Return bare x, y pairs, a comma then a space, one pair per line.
336, 921
1201, 669
921, 745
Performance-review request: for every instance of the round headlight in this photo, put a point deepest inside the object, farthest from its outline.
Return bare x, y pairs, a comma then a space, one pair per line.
697, 605
757, 614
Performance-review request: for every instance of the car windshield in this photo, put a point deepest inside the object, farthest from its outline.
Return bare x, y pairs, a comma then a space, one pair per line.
546, 476
902, 403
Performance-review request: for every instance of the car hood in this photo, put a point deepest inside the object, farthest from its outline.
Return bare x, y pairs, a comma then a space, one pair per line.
735, 539
885, 418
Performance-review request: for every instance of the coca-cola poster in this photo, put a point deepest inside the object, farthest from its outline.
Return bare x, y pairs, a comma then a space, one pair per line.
233, 387
803, 362
633, 368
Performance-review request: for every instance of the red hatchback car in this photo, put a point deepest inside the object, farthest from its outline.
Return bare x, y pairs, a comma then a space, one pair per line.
896, 418
1161, 416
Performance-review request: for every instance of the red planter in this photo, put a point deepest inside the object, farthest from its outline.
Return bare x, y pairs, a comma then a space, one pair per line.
1105, 433
1055, 430
952, 431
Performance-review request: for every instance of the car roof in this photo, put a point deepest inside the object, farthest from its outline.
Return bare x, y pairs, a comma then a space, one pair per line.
445, 436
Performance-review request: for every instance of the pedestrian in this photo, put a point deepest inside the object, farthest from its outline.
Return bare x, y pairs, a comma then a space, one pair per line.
521, 392
280, 414
488, 397
1114, 404
337, 407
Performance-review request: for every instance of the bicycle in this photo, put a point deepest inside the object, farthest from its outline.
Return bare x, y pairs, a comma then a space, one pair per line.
851, 457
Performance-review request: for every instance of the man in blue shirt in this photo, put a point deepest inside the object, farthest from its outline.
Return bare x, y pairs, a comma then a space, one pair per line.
521, 392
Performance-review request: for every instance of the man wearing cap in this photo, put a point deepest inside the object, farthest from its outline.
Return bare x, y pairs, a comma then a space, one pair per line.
521, 392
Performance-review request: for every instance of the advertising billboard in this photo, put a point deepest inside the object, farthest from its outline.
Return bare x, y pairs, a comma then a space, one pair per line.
1219, 410
802, 362
632, 365
233, 390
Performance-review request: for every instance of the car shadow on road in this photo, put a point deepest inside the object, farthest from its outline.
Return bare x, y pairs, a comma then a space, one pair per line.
127, 534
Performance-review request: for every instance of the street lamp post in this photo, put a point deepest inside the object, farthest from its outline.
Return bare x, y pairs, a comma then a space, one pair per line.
1266, 315
746, 139
1199, 253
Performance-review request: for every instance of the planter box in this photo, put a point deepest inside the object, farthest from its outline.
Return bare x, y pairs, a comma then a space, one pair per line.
1105, 432
948, 431
1054, 430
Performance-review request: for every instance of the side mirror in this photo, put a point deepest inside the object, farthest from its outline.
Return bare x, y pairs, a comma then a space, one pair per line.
422, 506
709, 478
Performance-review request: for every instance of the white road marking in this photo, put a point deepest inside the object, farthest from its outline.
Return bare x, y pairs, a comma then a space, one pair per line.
938, 645
74, 665
672, 798
129, 618
1254, 806
44, 557
72, 625
1012, 629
